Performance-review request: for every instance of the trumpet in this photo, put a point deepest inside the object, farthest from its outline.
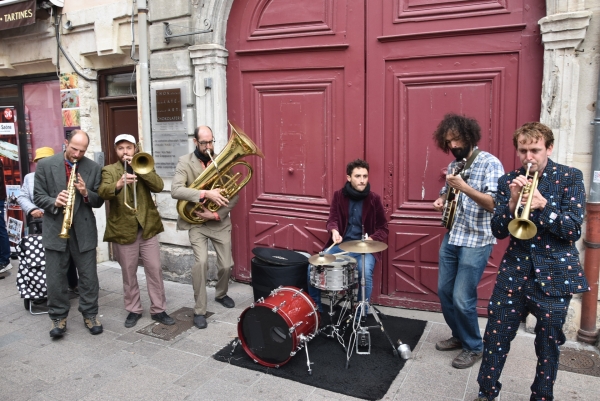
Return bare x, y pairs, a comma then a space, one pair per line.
141, 163
68, 210
521, 227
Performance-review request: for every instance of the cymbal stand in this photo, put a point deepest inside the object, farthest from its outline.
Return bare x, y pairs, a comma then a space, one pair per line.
360, 335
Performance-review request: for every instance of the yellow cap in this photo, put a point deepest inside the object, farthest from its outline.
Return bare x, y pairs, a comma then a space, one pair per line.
40, 153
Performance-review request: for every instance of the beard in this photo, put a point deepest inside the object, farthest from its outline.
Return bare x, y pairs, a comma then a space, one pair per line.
460, 153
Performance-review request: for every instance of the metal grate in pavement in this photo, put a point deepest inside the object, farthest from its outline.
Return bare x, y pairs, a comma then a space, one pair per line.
184, 320
580, 361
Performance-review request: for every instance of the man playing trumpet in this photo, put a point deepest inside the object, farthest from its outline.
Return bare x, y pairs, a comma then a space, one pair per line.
132, 226
217, 225
51, 194
537, 275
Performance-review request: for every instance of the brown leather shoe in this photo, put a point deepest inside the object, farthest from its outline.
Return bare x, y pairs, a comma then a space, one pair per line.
466, 359
59, 327
449, 344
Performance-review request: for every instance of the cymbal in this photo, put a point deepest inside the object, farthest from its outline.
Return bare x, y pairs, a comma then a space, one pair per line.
360, 246
320, 260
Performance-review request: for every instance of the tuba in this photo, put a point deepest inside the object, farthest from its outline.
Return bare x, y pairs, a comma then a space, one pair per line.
68, 210
218, 175
521, 227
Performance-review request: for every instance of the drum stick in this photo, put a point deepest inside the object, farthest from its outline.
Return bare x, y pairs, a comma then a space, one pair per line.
327, 250
340, 253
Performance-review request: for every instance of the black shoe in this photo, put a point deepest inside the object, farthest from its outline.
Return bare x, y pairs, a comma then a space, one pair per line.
59, 327
93, 324
74, 290
163, 318
200, 321
226, 301
132, 319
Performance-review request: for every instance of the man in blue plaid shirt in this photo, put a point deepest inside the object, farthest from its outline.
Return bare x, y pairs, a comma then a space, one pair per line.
468, 244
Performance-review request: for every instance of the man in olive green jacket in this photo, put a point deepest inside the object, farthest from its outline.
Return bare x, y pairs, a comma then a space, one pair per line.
132, 227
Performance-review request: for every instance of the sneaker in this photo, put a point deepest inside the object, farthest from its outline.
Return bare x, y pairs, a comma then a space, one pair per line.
226, 301
74, 290
5, 268
93, 324
59, 327
466, 359
449, 344
163, 318
200, 321
132, 319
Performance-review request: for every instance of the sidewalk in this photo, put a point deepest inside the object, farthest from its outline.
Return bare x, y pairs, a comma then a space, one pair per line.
121, 364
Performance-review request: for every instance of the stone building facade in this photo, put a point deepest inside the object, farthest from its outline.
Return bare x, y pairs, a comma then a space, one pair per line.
98, 36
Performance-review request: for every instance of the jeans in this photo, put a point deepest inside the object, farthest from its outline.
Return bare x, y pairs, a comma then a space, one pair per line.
460, 271
315, 293
4, 245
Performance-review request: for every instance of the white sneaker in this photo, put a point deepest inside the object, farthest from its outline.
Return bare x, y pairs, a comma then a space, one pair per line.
6, 268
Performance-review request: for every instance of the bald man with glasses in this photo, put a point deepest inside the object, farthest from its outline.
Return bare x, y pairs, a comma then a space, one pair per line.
216, 228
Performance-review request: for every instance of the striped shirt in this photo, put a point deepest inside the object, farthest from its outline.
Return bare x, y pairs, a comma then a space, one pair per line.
472, 226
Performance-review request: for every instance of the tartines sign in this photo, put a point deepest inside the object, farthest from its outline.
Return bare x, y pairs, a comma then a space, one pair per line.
14, 15
168, 105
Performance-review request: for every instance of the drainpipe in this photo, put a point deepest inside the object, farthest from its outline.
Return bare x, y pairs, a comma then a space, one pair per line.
144, 74
588, 332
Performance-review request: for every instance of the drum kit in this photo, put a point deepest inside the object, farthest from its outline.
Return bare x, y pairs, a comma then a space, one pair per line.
273, 329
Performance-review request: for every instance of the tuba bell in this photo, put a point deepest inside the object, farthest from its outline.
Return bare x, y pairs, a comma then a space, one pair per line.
218, 175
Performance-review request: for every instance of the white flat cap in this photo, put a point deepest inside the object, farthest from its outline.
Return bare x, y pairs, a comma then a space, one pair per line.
125, 137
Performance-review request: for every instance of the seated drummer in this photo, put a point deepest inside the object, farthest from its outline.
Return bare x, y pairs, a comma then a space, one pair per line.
353, 207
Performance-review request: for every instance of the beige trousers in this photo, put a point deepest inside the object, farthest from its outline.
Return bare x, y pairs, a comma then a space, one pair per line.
220, 237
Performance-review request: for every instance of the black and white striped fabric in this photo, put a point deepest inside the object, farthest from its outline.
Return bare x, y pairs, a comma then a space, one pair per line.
31, 278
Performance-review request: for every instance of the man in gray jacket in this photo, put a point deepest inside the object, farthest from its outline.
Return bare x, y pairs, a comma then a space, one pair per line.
50, 194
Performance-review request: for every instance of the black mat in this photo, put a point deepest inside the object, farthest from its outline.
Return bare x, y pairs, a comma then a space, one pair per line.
368, 376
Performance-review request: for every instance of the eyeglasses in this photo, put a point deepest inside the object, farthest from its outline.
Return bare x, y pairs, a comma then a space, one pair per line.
204, 143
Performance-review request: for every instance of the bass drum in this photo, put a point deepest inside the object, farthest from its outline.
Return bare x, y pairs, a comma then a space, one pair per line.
273, 330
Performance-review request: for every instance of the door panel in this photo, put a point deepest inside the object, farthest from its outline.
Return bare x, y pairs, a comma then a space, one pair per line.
295, 87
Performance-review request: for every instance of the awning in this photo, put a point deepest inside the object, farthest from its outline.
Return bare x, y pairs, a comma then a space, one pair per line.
14, 14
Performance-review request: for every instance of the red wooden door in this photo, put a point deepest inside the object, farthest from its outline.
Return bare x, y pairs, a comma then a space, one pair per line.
295, 82
424, 59
318, 83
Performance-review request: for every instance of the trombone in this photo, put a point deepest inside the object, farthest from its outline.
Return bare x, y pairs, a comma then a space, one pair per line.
521, 227
141, 163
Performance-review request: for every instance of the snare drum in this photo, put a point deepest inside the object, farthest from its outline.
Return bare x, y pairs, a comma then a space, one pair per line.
273, 330
339, 275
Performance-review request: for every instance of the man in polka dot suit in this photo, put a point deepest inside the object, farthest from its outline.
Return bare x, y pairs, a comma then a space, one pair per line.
538, 275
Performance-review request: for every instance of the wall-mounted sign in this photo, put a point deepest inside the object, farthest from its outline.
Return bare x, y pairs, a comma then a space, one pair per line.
8, 120
167, 147
14, 15
168, 106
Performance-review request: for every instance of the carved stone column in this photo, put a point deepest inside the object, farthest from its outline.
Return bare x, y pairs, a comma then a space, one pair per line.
562, 33
210, 89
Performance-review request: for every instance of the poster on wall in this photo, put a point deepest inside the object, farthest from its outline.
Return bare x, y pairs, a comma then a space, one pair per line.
69, 100
8, 120
9, 150
12, 194
14, 230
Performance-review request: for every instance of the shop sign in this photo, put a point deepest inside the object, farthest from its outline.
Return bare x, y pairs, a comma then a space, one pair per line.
8, 120
14, 15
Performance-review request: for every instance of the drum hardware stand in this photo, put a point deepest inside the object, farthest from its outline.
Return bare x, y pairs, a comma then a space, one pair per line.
335, 327
304, 344
360, 335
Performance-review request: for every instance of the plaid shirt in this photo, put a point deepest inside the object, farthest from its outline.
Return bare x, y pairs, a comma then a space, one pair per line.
472, 226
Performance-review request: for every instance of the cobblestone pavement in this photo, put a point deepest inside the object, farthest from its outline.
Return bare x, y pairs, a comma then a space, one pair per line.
120, 364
